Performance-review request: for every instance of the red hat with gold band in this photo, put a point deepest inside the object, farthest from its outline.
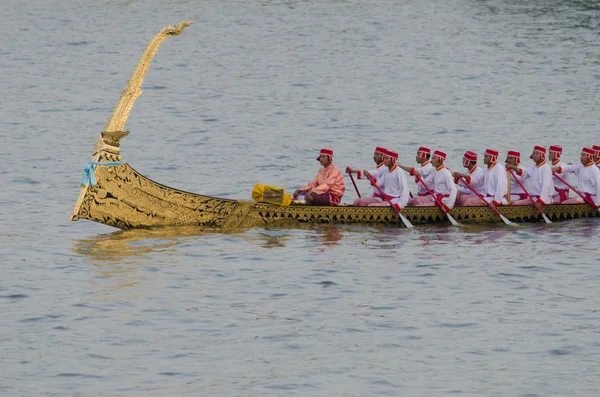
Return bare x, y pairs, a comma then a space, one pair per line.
493, 153
596, 149
440, 154
423, 152
327, 152
541, 150
379, 149
556, 149
468, 157
589, 151
515, 154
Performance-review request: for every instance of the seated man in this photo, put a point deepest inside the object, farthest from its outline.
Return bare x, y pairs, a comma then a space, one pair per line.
328, 187
597, 155
475, 178
539, 174
561, 191
513, 161
495, 183
425, 171
588, 178
392, 182
376, 173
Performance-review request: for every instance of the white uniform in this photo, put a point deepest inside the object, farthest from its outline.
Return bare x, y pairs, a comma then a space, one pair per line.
496, 185
394, 186
540, 182
561, 191
588, 180
427, 172
444, 186
476, 179
376, 173
516, 191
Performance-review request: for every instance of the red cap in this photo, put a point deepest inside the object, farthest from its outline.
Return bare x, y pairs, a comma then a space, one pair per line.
555, 148
597, 149
440, 154
471, 156
539, 149
390, 153
327, 152
491, 152
424, 150
379, 149
588, 150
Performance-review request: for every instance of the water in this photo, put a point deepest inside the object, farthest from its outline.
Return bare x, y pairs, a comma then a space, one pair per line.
248, 94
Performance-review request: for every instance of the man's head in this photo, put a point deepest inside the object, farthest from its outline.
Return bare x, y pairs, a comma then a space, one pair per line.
325, 157
423, 154
554, 152
513, 157
538, 155
597, 152
378, 155
469, 159
389, 158
438, 158
587, 155
490, 157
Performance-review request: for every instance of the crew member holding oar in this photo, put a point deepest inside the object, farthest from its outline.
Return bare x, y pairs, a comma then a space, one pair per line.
597, 155
495, 183
443, 186
539, 174
588, 178
425, 171
392, 182
561, 191
375, 173
513, 158
475, 178
328, 187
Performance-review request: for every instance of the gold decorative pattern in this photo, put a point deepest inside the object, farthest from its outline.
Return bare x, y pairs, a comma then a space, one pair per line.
125, 199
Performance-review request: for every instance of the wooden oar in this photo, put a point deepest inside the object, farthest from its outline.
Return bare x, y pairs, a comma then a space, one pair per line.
354, 183
402, 217
530, 198
505, 219
438, 202
590, 202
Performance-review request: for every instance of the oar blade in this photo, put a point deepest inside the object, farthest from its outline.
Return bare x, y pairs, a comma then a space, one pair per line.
452, 220
546, 218
405, 221
505, 219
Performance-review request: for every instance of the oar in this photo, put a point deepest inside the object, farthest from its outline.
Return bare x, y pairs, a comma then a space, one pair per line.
402, 217
505, 219
590, 202
438, 202
354, 183
530, 198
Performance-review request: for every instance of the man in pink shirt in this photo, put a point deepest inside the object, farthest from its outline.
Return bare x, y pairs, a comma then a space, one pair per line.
328, 187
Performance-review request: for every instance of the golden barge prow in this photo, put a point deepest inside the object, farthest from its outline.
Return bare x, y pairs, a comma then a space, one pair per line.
116, 195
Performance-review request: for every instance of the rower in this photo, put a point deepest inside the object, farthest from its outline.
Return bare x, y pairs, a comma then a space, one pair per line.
375, 173
328, 187
475, 178
513, 161
426, 171
443, 185
561, 190
597, 155
495, 183
588, 177
392, 182
539, 174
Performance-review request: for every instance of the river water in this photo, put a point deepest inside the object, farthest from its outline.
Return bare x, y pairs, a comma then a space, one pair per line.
248, 94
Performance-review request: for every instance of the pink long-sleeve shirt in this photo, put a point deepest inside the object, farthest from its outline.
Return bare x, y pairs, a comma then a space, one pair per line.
329, 180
